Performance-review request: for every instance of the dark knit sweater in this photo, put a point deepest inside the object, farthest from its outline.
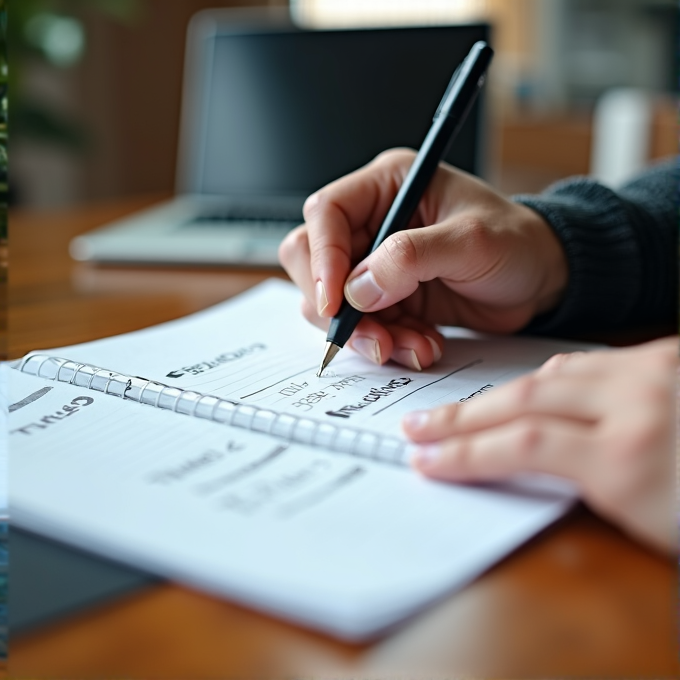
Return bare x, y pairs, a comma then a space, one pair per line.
621, 248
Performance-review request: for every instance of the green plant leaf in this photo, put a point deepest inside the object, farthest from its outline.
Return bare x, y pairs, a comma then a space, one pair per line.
34, 121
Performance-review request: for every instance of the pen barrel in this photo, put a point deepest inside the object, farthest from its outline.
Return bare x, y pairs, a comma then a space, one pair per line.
343, 324
449, 118
416, 181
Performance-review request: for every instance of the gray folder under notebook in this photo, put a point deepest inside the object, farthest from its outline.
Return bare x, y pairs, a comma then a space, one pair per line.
49, 580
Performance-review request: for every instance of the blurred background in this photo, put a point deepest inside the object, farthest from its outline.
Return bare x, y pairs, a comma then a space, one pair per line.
96, 86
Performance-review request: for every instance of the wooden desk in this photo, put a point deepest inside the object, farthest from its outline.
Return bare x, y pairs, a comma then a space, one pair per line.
581, 599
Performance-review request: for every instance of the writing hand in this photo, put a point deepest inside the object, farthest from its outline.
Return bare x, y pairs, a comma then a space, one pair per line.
603, 419
471, 258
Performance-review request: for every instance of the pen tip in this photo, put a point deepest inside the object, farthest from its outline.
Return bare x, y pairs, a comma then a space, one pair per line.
331, 350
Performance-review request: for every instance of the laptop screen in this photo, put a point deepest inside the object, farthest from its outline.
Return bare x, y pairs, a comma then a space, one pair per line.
287, 112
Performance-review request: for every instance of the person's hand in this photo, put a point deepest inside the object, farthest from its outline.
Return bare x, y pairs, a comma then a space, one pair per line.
471, 258
605, 420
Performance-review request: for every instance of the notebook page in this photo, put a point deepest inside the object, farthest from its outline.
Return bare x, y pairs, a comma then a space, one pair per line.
326, 540
258, 349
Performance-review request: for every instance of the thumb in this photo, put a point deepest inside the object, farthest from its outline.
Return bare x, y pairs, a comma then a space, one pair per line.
395, 269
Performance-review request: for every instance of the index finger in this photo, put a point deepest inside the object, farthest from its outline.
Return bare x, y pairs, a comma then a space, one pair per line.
342, 219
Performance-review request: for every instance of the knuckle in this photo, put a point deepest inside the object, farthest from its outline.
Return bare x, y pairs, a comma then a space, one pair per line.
476, 234
528, 438
553, 363
294, 243
394, 157
315, 204
525, 390
320, 255
557, 362
403, 251
446, 415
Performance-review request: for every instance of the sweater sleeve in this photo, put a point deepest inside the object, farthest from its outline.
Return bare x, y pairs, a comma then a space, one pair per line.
621, 248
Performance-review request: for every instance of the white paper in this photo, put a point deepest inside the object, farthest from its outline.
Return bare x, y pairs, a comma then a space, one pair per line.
334, 541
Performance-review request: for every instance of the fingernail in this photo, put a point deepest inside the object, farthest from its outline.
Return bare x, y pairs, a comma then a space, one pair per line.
435, 348
416, 420
363, 291
321, 298
426, 456
407, 357
367, 347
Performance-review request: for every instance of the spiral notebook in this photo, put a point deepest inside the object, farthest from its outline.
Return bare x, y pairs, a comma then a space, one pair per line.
207, 451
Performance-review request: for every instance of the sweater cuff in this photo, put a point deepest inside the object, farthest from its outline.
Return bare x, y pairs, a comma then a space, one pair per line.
604, 271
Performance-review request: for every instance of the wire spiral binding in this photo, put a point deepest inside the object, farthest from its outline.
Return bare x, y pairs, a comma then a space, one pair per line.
209, 407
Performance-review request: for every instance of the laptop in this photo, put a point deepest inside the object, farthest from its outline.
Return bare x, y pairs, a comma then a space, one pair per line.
271, 112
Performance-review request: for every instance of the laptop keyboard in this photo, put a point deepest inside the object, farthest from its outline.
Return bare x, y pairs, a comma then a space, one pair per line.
263, 222
223, 222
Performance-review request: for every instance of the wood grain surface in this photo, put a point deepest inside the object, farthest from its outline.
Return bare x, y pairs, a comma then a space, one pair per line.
579, 600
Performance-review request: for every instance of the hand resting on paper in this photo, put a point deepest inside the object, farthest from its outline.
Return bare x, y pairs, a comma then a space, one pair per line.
603, 419
472, 258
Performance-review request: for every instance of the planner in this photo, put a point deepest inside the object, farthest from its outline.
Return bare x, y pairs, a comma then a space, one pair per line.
207, 451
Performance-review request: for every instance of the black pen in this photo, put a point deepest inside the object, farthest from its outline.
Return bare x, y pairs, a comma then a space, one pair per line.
451, 113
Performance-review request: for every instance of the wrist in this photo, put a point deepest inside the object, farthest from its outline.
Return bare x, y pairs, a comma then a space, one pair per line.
554, 270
